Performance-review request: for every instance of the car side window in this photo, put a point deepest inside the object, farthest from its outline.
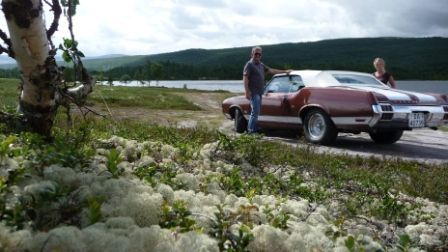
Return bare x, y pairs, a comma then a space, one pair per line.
284, 84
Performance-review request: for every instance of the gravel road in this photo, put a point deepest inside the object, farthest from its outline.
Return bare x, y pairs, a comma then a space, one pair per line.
422, 145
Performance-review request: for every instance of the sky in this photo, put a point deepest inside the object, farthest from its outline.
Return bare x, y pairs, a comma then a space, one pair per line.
141, 27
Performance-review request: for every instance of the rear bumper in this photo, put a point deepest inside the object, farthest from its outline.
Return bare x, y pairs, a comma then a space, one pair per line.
393, 116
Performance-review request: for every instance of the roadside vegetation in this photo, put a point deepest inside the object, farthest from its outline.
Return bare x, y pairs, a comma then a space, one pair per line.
147, 97
124, 184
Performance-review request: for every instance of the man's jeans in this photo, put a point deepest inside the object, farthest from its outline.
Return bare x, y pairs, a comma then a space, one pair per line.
255, 105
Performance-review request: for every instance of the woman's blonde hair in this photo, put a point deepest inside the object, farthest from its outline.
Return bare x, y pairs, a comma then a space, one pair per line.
377, 60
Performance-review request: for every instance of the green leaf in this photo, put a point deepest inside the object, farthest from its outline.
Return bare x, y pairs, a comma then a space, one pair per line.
66, 56
350, 243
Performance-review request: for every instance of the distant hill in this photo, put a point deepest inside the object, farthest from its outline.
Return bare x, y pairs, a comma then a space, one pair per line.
99, 63
406, 58
104, 63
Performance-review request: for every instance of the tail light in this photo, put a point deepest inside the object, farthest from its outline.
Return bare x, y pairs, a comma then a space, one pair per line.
386, 108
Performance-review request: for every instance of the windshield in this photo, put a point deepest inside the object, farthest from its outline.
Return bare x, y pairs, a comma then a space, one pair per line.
354, 79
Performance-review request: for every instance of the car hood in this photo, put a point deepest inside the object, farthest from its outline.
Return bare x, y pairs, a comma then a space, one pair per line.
398, 96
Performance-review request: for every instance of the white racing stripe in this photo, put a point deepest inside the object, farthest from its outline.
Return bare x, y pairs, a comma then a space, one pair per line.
396, 94
421, 97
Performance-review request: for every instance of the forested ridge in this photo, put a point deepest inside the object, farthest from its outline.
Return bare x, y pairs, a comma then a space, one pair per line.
407, 58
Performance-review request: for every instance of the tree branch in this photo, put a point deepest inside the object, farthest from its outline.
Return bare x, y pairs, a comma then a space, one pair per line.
78, 94
3, 50
7, 41
57, 11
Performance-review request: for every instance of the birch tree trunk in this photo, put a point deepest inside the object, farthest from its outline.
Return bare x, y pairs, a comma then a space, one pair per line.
40, 76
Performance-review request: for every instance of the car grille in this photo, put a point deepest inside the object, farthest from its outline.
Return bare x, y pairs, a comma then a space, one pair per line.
387, 116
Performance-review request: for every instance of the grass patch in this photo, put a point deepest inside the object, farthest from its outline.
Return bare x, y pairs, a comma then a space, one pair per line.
147, 97
363, 176
9, 93
371, 175
116, 96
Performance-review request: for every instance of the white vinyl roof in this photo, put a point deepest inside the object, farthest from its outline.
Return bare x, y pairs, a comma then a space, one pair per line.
322, 78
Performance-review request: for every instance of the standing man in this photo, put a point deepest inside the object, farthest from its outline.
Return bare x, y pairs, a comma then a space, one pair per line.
253, 77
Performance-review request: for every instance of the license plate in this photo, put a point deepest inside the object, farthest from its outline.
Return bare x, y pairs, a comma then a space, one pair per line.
416, 120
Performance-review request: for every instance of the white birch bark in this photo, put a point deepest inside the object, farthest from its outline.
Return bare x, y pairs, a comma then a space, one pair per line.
39, 97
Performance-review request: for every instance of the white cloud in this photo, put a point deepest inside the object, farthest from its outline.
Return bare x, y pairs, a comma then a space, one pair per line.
155, 26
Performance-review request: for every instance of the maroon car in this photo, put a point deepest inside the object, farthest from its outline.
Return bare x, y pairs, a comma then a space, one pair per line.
323, 103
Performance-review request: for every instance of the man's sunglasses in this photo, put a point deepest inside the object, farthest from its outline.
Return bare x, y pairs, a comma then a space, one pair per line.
257, 54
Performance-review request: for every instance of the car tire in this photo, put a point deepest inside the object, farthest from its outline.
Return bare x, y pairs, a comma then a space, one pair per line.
318, 128
240, 123
385, 136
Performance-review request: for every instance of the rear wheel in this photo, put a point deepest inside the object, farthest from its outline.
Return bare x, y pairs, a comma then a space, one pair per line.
386, 136
319, 128
240, 123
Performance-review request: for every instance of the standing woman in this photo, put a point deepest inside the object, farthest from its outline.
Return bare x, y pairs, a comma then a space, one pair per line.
381, 74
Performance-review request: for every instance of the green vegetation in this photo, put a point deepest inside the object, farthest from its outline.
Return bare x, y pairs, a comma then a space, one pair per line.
149, 98
9, 93
145, 97
364, 177
203, 162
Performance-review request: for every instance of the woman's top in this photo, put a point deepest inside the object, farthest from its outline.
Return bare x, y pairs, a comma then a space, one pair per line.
383, 78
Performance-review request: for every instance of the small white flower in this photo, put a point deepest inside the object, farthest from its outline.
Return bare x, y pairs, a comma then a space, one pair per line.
268, 238
188, 180
144, 208
166, 191
414, 231
145, 161
153, 239
41, 190
13, 241
193, 242
429, 240
67, 238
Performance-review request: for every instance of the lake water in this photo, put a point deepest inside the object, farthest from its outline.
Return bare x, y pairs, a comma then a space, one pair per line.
236, 86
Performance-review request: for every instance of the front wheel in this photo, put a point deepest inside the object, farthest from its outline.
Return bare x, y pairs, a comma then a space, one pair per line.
385, 136
240, 123
319, 128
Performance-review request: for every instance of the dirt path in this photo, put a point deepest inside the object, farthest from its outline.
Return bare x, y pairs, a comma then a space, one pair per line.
209, 116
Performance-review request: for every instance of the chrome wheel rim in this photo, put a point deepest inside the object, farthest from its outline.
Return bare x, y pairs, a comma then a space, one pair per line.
316, 126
